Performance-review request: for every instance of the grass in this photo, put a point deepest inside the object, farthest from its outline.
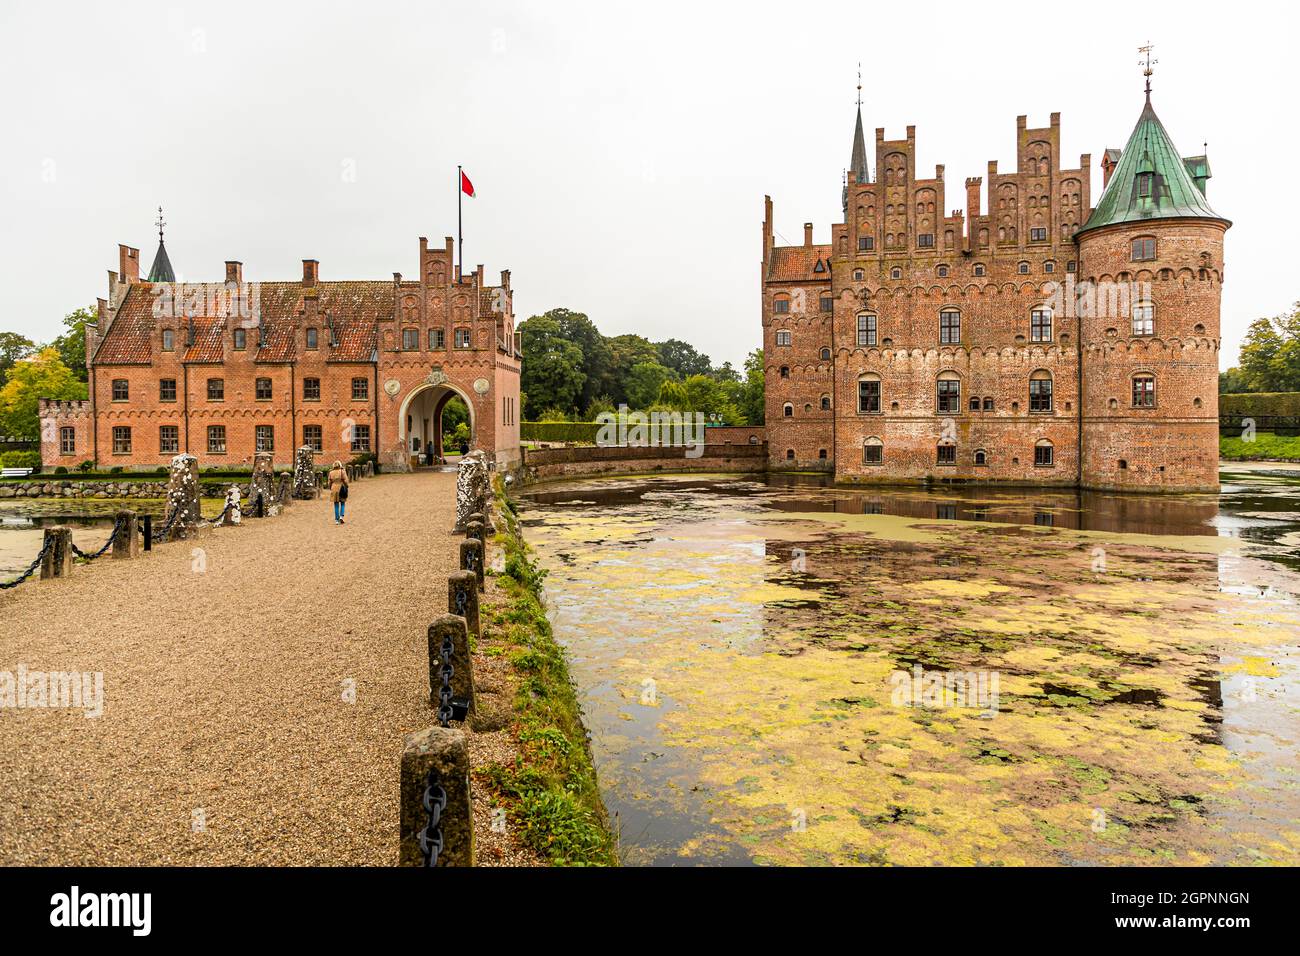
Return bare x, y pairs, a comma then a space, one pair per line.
551, 791
1266, 447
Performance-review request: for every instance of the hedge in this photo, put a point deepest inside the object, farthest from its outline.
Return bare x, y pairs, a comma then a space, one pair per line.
581, 432
1260, 404
20, 459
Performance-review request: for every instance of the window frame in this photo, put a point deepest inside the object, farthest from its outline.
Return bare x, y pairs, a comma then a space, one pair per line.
1040, 324
1149, 322
311, 384
168, 340
947, 394
1148, 393
1042, 446
875, 444
865, 393
949, 326
783, 338
362, 394
1139, 247
313, 437
410, 340
1040, 398
258, 444
67, 440
439, 343
261, 394
121, 436
360, 443
217, 444
468, 340
121, 390
216, 390
948, 451
868, 329
239, 339
174, 441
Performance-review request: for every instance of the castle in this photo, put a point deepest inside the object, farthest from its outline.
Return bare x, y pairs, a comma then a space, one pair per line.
222, 370
1041, 342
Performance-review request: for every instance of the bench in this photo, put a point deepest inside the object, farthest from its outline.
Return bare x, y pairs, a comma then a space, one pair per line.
15, 472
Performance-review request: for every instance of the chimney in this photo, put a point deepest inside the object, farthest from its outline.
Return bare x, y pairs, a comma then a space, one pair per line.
973, 184
397, 280
310, 271
807, 235
1108, 164
128, 264
234, 272
479, 273
505, 279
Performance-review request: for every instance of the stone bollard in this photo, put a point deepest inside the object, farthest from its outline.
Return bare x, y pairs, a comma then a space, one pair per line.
369, 471
471, 559
439, 757
261, 488
475, 530
462, 600
183, 498
126, 538
304, 474
473, 491
284, 494
57, 562
462, 677
231, 514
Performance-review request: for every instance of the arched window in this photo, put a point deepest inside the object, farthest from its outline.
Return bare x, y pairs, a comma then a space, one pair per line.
979, 267
787, 410
948, 393
826, 403
783, 337
866, 329
1022, 268
826, 355
789, 454
981, 457
1144, 391
1040, 391
974, 404
785, 371
946, 454
869, 394
895, 273
949, 327
988, 403
781, 303
1040, 324
1144, 250
1144, 318
1043, 454
873, 451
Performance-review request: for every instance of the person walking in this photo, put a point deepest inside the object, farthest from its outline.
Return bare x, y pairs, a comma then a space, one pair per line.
338, 479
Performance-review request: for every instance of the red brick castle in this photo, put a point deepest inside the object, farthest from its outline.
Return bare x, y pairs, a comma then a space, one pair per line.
222, 370
1043, 341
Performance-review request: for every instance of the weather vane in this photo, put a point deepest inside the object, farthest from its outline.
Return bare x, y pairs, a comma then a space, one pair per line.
1146, 63
160, 224
859, 83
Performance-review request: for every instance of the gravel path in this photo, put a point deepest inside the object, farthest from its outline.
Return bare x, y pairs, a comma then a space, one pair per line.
224, 690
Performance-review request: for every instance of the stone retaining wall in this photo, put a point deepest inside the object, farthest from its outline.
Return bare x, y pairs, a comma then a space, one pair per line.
581, 461
63, 488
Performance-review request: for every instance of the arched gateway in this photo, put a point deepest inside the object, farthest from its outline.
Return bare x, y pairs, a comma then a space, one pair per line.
225, 370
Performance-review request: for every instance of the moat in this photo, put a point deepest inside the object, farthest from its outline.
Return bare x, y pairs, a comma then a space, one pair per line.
735, 640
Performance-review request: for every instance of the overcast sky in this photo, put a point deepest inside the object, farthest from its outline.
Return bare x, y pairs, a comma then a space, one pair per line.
621, 152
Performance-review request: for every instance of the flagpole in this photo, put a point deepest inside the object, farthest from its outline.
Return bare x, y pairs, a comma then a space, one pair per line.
460, 234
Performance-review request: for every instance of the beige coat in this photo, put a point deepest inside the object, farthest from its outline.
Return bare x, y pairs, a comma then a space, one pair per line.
337, 479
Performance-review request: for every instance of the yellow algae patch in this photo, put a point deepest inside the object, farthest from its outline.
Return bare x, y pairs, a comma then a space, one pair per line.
971, 589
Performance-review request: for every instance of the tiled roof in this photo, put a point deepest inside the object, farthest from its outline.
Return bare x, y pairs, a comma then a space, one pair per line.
793, 263
353, 307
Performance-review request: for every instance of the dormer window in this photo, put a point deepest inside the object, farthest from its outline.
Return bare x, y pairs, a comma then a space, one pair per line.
1144, 183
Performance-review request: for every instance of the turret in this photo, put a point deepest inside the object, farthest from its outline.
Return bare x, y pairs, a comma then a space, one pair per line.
1151, 265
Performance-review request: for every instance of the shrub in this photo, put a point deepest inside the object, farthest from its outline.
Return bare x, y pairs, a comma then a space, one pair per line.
86, 466
60, 470
115, 470
581, 432
20, 459
1260, 404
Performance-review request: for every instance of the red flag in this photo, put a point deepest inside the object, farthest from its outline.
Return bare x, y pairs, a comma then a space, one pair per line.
466, 186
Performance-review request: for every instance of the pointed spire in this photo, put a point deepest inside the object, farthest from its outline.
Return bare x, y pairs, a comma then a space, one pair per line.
161, 270
858, 163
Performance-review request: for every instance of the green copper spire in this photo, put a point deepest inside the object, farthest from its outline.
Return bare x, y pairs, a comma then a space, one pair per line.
1151, 181
161, 270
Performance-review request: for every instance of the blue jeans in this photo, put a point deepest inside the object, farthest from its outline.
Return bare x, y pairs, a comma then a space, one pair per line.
339, 508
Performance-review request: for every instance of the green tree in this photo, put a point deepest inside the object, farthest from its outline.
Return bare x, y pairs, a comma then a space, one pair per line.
42, 376
13, 348
643, 382
753, 404
629, 351
683, 359
72, 343
552, 370
597, 359
1232, 382
1270, 354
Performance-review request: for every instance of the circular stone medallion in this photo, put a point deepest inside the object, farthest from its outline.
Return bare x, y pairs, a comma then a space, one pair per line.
392, 386
481, 386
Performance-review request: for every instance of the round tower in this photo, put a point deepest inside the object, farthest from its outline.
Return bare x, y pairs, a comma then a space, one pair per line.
1150, 274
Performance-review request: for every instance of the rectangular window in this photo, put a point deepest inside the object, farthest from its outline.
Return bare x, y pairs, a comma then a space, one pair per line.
869, 395
1144, 250
264, 436
925, 240
865, 243
360, 389
216, 439
782, 338
1040, 395
950, 396
949, 328
121, 439
311, 390
241, 340
1144, 391
312, 338
1144, 319
67, 440
781, 306
947, 455
216, 389
866, 330
361, 438
1040, 325
461, 340
1043, 457
311, 437
988, 404
262, 389
169, 440
437, 339
168, 340
121, 390
873, 454
166, 389
410, 339
827, 303
1038, 234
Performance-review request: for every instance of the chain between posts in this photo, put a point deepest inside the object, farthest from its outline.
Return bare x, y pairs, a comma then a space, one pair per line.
446, 711
117, 523
31, 569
